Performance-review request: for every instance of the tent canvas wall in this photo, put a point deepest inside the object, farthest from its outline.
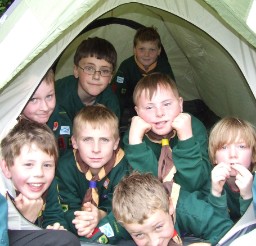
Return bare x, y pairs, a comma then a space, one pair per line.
210, 47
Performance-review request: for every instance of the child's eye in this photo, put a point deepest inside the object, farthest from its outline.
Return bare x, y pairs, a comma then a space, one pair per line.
28, 164
152, 50
139, 236
242, 146
158, 228
224, 147
141, 49
49, 165
105, 140
33, 100
89, 68
149, 107
167, 104
87, 139
49, 97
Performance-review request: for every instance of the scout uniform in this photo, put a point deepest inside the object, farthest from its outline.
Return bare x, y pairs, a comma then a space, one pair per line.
190, 158
74, 184
67, 97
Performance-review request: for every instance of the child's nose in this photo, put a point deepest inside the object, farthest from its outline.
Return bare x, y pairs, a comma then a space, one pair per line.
160, 111
233, 151
44, 105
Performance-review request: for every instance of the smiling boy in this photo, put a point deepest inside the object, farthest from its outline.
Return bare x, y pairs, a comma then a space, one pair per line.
142, 205
160, 117
29, 153
87, 176
94, 63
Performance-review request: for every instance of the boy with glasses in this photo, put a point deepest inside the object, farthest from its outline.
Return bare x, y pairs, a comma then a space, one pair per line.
94, 63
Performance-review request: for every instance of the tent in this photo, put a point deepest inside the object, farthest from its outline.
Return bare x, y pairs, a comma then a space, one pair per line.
210, 45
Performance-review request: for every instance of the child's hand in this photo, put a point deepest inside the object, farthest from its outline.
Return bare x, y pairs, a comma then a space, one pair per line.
220, 173
182, 124
56, 226
137, 130
30, 209
244, 179
85, 221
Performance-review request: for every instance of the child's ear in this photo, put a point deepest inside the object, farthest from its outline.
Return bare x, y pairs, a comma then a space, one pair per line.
74, 144
136, 109
171, 208
75, 71
181, 104
116, 144
5, 169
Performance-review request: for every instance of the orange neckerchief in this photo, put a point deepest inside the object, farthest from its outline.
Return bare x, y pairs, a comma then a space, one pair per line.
142, 69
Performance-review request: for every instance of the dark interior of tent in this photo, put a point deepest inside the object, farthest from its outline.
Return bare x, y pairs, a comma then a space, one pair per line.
196, 107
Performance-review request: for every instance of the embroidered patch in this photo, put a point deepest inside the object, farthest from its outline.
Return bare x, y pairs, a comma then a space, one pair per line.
120, 80
103, 239
65, 130
106, 183
55, 126
107, 230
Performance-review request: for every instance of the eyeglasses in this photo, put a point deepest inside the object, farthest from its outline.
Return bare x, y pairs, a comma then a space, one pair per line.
91, 71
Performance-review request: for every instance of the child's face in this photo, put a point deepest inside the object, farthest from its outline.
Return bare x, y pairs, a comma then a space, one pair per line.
32, 171
95, 145
160, 111
235, 153
42, 103
156, 230
92, 85
146, 53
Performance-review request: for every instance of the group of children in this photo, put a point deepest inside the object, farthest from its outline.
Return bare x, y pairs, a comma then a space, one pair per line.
156, 184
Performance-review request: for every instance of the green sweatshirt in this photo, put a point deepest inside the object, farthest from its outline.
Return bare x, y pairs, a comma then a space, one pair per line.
196, 217
236, 205
53, 211
190, 158
61, 125
67, 97
73, 186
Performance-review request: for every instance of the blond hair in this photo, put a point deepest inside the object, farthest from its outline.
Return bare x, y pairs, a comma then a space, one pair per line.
227, 130
97, 116
137, 196
27, 132
150, 84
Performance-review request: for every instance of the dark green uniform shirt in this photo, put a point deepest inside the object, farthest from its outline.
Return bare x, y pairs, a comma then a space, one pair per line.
61, 125
53, 211
73, 186
67, 97
200, 219
236, 205
190, 158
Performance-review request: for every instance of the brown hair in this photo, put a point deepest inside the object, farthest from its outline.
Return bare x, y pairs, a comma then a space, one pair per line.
227, 130
150, 83
27, 132
96, 47
98, 116
137, 196
49, 77
147, 34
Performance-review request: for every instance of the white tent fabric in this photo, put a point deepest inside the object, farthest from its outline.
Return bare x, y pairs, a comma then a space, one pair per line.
212, 59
